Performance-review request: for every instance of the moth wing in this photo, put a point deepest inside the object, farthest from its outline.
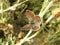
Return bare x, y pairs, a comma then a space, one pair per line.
37, 22
30, 15
37, 19
35, 28
26, 27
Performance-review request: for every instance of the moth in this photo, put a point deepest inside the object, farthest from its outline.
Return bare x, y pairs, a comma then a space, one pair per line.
34, 21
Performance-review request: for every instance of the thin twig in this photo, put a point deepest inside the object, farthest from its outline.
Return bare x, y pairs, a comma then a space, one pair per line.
33, 35
13, 7
24, 9
18, 1
49, 5
24, 39
48, 20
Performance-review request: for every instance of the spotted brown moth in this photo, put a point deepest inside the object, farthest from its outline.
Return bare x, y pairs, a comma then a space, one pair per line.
34, 21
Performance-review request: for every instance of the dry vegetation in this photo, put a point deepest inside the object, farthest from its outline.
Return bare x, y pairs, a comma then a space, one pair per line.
41, 14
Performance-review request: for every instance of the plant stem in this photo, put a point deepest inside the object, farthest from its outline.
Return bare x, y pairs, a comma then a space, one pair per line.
49, 19
18, 1
13, 7
33, 35
24, 39
49, 5
42, 13
45, 3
